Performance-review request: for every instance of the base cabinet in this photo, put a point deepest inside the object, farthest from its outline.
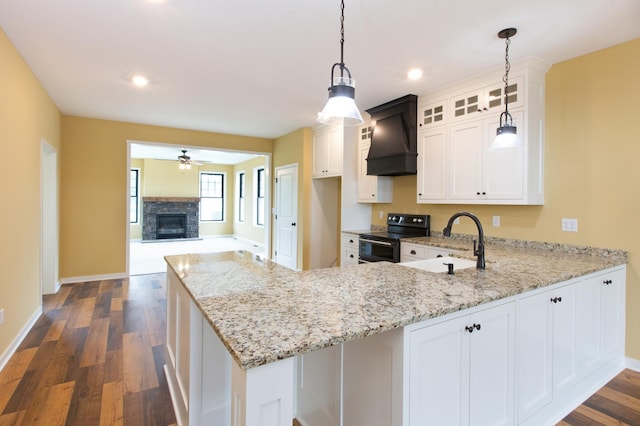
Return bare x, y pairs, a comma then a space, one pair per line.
461, 371
350, 247
570, 340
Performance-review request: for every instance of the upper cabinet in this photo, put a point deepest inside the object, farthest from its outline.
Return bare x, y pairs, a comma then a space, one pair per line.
327, 151
456, 127
371, 189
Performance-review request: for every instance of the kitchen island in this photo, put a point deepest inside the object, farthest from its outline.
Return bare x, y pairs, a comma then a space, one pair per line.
239, 326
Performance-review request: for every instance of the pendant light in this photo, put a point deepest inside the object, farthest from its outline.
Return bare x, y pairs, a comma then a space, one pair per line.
341, 107
506, 135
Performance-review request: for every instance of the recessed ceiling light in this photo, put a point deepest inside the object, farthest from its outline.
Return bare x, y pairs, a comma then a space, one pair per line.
414, 74
139, 81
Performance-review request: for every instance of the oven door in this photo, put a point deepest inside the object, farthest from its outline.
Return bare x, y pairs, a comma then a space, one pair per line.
378, 251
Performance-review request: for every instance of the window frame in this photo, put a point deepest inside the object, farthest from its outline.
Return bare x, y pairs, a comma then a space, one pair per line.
221, 197
241, 179
260, 195
134, 199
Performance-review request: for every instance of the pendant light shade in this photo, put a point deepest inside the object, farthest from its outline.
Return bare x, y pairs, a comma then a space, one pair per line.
341, 107
506, 134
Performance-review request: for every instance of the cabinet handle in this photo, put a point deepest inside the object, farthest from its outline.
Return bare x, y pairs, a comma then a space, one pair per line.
351, 256
470, 328
293, 224
420, 194
412, 252
481, 193
607, 282
350, 241
556, 299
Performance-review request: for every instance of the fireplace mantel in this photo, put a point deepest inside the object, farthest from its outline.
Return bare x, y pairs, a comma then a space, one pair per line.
171, 199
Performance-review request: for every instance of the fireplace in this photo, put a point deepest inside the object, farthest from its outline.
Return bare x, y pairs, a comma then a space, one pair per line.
171, 226
170, 218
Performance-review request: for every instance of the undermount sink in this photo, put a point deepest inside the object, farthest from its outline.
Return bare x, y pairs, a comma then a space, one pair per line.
439, 264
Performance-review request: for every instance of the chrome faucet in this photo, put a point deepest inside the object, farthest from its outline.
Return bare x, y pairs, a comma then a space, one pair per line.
477, 250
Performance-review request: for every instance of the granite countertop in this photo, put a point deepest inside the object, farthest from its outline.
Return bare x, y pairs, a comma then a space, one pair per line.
263, 312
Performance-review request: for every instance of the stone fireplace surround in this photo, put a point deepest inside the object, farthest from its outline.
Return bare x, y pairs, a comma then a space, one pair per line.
153, 206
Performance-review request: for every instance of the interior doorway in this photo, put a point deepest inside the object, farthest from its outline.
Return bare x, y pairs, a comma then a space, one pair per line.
200, 158
49, 281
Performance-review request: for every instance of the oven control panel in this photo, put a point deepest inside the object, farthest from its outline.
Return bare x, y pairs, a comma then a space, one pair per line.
408, 220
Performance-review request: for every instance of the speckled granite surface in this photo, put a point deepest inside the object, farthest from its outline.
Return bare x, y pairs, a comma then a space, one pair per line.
263, 312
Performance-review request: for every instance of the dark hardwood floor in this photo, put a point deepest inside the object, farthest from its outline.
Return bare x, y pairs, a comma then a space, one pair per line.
96, 356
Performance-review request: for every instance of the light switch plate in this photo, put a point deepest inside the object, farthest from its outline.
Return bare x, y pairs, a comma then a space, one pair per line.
1, 316
569, 225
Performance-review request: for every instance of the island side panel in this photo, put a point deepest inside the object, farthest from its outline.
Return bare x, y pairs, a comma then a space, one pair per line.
263, 396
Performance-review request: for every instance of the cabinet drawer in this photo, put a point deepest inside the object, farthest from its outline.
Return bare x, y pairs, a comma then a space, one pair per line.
413, 250
350, 240
349, 256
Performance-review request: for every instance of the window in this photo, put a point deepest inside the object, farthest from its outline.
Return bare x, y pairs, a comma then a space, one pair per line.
241, 200
260, 190
134, 191
211, 196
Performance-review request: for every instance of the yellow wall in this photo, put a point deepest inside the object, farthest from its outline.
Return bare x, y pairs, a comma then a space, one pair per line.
248, 229
295, 148
592, 172
27, 116
93, 180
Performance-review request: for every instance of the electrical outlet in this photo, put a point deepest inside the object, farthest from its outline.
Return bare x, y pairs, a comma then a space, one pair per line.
569, 225
381, 214
496, 221
1, 316
456, 221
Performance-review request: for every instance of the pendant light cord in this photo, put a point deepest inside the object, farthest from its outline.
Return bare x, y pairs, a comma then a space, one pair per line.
342, 38
507, 68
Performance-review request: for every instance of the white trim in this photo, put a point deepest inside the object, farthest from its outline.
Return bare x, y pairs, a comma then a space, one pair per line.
6, 356
632, 364
86, 278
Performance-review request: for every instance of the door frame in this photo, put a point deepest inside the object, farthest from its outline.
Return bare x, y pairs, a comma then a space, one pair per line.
49, 219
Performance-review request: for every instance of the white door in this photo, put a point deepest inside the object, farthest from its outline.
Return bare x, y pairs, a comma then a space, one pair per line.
286, 210
49, 219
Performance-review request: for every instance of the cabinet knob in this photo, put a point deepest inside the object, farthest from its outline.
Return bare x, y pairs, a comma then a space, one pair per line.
351, 241
470, 328
351, 256
373, 195
420, 194
412, 252
556, 299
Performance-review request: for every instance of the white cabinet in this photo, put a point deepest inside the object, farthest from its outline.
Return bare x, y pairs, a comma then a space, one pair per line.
564, 335
432, 114
462, 370
612, 314
475, 172
412, 251
371, 189
327, 151
432, 179
455, 165
349, 244
486, 99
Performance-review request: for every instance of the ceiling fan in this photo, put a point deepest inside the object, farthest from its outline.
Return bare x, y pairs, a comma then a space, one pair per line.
185, 161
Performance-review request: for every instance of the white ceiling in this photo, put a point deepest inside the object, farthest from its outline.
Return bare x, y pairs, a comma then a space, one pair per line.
261, 68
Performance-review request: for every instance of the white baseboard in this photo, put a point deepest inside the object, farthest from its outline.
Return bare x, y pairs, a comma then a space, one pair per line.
86, 278
632, 364
4, 358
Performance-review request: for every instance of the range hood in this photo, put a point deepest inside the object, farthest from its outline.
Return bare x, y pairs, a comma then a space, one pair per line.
394, 138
